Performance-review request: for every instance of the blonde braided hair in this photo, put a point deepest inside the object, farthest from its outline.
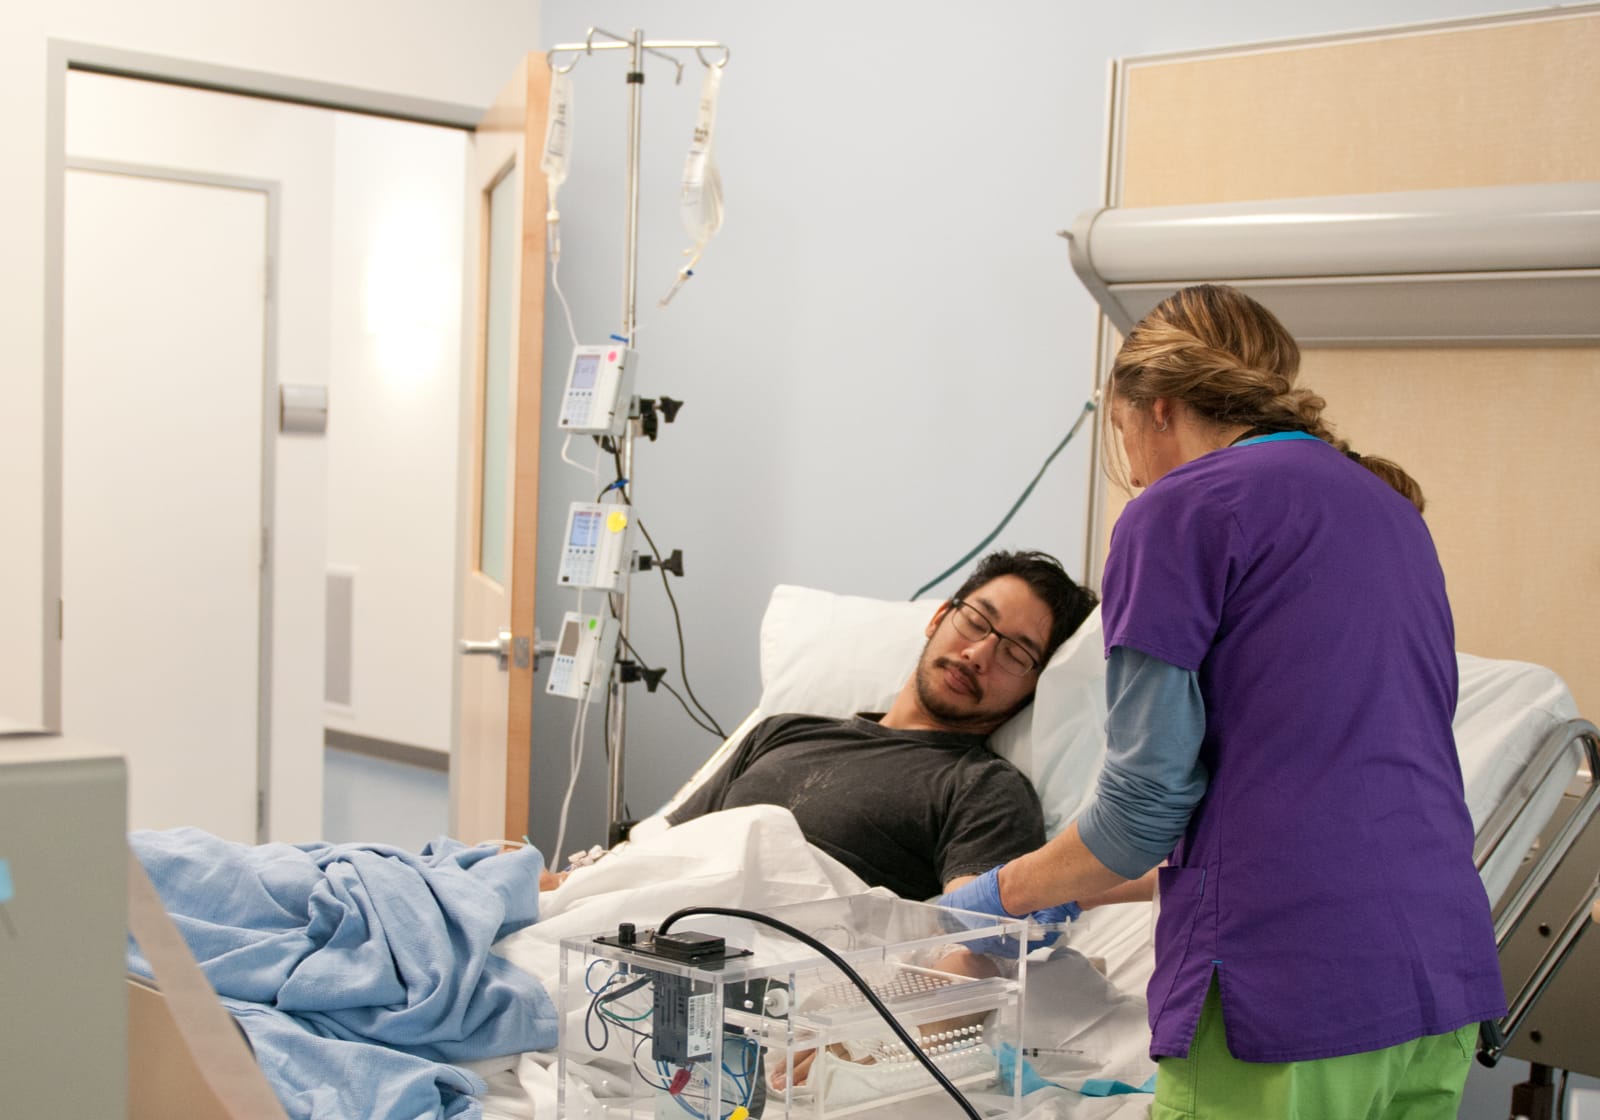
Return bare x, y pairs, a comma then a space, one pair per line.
1232, 362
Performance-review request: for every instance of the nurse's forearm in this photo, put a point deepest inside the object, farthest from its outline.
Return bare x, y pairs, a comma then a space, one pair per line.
1142, 889
1064, 870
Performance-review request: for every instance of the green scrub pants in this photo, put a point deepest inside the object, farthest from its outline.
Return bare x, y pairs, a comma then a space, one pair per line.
1417, 1080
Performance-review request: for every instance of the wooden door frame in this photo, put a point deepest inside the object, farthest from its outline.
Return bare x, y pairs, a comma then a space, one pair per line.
522, 107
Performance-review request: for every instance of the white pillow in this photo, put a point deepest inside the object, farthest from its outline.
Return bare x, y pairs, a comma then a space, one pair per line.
835, 655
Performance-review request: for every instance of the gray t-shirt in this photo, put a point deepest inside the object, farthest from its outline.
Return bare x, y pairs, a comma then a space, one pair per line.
907, 810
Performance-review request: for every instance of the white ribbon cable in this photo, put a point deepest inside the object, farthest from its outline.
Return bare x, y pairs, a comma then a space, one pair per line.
700, 199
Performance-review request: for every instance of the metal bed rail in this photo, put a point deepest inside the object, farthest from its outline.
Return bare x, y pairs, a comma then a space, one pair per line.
1586, 737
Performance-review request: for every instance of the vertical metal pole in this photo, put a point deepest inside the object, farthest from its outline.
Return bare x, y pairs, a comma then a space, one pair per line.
630, 274
630, 299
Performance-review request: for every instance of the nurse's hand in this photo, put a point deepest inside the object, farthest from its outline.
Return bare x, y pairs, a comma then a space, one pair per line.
982, 895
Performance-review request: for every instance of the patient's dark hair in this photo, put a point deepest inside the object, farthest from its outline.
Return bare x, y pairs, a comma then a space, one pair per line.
1069, 603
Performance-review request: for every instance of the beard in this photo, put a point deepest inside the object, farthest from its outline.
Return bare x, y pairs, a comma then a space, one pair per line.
960, 713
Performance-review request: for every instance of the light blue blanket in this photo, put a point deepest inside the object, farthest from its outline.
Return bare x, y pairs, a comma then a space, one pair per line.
359, 971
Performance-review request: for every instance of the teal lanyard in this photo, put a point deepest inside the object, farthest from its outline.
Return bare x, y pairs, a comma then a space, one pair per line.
1274, 438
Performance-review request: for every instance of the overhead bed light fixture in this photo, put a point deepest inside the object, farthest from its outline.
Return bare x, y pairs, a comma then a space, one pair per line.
1474, 265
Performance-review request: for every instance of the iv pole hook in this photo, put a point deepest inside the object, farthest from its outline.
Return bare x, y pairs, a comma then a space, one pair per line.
726, 54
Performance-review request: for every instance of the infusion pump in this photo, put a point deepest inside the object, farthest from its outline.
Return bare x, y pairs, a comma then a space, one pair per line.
595, 548
582, 660
599, 390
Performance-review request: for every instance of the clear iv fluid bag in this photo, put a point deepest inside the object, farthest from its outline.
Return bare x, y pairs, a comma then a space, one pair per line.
700, 202
557, 134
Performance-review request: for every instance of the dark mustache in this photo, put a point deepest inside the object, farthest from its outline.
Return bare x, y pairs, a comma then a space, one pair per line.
971, 677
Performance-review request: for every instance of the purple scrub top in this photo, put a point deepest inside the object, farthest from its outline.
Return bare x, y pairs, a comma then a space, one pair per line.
1326, 878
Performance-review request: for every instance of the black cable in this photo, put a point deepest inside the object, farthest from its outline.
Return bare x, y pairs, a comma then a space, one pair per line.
700, 723
1088, 407
644, 665
677, 623
913, 1047
621, 486
588, 1022
597, 1011
643, 1076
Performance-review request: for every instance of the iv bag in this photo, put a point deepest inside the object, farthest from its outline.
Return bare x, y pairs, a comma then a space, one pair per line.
557, 134
700, 202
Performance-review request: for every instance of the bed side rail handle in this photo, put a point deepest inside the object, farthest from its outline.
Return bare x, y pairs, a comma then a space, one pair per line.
1493, 1038
1556, 744
1516, 909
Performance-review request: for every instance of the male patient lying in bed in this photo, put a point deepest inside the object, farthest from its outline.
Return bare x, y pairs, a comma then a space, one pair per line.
913, 799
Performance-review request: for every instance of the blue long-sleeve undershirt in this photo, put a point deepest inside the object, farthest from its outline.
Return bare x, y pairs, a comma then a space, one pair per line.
1153, 777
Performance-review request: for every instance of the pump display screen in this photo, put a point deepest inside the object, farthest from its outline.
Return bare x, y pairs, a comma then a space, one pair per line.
584, 368
585, 530
569, 641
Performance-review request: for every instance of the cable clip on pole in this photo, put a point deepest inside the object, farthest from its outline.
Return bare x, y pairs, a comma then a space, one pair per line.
652, 410
673, 563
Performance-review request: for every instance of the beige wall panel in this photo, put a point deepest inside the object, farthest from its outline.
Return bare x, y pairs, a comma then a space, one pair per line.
1509, 467
1511, 472
1463, 107
1500, 439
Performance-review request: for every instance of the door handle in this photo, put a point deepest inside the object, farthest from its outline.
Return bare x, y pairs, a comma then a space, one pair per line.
500, 648
507, 647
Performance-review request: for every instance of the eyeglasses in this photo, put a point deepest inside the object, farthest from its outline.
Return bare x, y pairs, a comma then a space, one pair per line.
973, 625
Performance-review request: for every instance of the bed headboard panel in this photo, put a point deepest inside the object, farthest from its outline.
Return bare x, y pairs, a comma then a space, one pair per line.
1499, 438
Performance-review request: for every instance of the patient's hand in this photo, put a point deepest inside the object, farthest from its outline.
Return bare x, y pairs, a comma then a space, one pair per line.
550, 880
959, 961
779, 1077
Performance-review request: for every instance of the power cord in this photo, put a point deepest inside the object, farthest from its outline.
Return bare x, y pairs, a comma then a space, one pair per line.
913, 1047
621, 486
677, 624
676, 695
1088, 407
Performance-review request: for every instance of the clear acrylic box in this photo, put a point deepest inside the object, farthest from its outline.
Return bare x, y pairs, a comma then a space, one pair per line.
671, 1027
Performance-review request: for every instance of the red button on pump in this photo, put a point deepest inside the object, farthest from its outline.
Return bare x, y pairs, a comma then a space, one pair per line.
611, 357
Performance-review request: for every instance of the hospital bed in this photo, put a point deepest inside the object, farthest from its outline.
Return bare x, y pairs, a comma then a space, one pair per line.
1522, 748
1521, 743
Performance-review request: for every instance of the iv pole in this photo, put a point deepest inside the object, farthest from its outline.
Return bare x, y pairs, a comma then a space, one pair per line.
636, 45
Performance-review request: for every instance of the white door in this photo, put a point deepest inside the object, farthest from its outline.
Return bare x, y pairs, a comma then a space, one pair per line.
500, 468
162, 490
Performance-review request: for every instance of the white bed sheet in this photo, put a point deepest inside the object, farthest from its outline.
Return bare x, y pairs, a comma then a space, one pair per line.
756, 858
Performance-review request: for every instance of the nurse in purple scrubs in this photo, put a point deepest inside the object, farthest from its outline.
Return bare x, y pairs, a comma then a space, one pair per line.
1281, 679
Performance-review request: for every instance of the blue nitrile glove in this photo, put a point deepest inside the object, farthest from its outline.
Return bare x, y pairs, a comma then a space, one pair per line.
982, 895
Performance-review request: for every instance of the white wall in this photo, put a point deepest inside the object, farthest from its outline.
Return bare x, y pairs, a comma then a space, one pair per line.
409, 47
